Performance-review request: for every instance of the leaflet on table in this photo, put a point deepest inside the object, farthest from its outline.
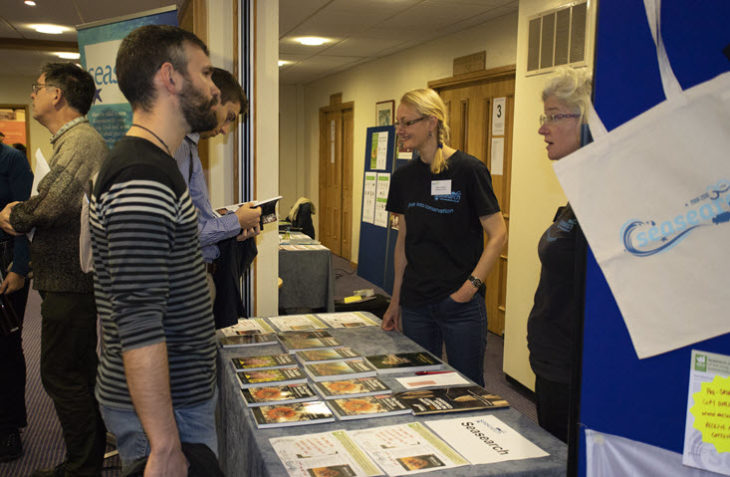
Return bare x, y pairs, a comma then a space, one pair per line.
404, 362
324, 454
295, 414
281, 394
451, 399
248, 326
485, 439
269, 361
315, 356
367, 407
355, 368
406, 449
347, 320
268, 209
707, 426
436, 379
240, 341
297, 323
267, 377
381, 197
357, 387
294, 341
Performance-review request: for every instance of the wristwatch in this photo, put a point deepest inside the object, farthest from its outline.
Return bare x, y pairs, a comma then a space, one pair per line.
475, 281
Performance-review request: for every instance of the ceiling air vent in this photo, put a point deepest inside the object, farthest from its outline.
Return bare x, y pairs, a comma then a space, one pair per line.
557, 37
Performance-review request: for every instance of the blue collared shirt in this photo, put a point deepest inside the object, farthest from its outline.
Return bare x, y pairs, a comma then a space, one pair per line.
211, 229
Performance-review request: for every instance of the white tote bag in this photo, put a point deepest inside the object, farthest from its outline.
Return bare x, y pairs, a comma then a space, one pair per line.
653, 199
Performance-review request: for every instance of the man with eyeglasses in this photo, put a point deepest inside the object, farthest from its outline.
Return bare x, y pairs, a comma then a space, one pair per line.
60, 99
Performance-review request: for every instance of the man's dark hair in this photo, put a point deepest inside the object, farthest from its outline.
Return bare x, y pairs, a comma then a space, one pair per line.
230, 90
76, 83
141, 54
21, 147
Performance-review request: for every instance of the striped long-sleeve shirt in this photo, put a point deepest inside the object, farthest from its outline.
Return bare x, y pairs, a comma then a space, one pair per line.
150, 282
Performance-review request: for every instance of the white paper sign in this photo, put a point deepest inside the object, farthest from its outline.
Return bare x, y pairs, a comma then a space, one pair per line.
498, 115
497, 156
368, 197
485, 439
381, 197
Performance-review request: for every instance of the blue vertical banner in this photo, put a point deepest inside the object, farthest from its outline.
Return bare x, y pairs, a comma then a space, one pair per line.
110, 113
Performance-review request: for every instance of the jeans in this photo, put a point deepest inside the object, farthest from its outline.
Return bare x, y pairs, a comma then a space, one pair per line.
68, 373
195, 424
462, 327
12, 370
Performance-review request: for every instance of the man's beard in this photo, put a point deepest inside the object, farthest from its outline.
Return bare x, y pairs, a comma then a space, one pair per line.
197, 110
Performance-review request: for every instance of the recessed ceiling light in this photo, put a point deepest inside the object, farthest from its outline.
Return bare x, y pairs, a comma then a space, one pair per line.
67, 55
50, 29
284, 62
30, 3
312, 40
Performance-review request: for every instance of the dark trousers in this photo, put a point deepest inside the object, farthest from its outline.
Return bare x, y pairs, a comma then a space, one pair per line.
553, 407
68, 372
12, 369
460, 327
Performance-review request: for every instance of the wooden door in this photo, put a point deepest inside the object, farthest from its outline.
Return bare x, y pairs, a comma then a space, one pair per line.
335, 178
470, 99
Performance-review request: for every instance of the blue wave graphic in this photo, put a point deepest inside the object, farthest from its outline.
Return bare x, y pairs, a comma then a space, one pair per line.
628, 229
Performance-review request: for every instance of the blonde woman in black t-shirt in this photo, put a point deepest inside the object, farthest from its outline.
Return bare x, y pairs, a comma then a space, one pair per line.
445, 204
553, 321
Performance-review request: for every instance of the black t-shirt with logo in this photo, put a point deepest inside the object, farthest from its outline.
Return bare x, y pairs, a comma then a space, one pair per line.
553, 320
444, 237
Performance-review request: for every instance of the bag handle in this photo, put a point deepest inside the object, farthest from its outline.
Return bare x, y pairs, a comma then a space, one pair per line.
670, 84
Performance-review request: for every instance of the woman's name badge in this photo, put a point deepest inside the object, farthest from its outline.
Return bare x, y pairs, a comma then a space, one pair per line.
441, 187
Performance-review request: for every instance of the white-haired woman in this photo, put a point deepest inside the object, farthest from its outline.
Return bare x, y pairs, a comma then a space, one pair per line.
553, 323
445, 203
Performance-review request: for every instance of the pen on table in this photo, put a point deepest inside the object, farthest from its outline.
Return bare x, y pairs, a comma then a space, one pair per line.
424, 373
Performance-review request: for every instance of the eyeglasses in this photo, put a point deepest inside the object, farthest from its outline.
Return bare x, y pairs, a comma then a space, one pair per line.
405, 124
37, 86
552, 118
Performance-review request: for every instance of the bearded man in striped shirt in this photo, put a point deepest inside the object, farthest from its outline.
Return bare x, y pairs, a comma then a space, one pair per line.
156, 383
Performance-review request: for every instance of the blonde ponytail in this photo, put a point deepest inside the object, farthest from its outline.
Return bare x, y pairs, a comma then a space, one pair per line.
428, 103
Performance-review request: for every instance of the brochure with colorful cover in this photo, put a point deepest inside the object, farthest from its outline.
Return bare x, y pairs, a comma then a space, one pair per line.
271, 361
238, 341
404, 362
248, 340
267, 377
297, 323
405, 449
294, 414
356, 368
326, 454
368, 406
294, 341
443, 400
345, 388
284, 394
324, 355
347, 320
268, 210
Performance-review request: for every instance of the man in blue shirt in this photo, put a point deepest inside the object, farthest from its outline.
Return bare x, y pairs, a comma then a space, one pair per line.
244, 223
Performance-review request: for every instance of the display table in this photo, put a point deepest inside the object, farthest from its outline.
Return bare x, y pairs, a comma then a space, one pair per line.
307, 278
245, 451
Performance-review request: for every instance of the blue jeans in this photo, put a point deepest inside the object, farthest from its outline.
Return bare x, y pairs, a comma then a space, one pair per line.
461, 326
194, 424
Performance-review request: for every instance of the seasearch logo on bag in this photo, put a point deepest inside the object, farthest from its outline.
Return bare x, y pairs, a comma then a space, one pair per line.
643, 238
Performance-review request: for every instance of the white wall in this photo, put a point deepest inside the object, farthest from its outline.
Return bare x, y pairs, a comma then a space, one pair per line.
535, 195
384, 79
16, 90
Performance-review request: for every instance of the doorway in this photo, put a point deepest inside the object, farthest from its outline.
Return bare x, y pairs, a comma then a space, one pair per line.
335, 177
472, 100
